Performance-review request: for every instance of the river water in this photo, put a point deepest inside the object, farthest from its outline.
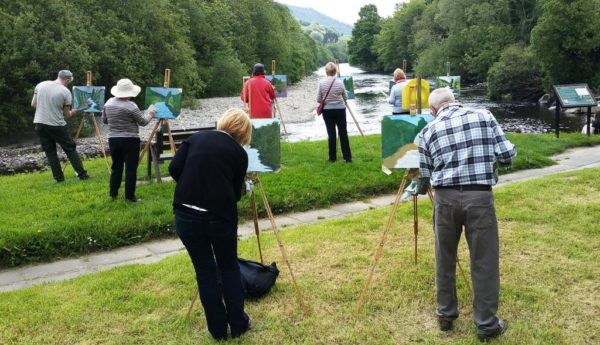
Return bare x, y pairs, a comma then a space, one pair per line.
371, 104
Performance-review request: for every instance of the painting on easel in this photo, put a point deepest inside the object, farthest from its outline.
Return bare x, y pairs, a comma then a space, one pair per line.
279, 82
452, 82
348, 85
265, 150
166, 100
398, 133
88, 99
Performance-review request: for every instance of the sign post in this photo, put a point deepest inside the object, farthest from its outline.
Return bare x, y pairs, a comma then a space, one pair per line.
573, 96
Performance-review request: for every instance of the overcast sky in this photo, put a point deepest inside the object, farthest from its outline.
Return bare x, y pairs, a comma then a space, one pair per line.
345, 11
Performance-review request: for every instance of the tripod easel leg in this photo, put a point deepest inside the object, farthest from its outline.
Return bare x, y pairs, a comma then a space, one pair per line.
194, 298
101, 142
149, 141
415, 223
256, 229
280, 116
280, 242
388, 226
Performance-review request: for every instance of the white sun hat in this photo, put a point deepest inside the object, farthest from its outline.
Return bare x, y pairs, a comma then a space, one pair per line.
125, 88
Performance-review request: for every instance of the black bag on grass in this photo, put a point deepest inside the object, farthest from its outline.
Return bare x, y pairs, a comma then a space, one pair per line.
257, 279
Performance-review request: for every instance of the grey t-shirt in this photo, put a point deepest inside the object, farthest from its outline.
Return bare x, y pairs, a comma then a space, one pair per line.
51, 97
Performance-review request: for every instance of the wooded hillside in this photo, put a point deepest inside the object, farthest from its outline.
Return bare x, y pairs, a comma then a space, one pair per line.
208, 44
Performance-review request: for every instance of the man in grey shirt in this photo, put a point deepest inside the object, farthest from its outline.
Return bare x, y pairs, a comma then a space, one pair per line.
52, 103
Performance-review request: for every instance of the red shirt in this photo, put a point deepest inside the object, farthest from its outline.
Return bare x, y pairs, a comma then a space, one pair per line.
262, 95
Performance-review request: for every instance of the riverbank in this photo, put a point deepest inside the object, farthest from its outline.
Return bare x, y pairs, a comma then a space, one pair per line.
298, 107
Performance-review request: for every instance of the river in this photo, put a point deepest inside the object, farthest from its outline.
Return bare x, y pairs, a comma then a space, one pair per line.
371, 104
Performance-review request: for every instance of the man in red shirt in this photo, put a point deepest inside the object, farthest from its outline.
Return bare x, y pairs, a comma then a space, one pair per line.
259, 94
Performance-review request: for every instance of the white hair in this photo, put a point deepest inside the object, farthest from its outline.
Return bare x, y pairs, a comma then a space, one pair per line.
440, 96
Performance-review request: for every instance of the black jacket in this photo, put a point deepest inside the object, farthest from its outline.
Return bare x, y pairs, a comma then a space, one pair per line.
209, 168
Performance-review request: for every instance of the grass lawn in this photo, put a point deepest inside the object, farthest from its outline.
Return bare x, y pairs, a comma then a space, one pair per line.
550, 292
41, 220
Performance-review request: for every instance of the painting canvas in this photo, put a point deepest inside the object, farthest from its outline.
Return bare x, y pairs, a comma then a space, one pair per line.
348, 85
166, 100
279, 82
264, 151
452, 82
88, 99
398, 133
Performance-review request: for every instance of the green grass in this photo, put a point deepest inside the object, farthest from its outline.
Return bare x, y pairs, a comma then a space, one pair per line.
549, 251
41, 220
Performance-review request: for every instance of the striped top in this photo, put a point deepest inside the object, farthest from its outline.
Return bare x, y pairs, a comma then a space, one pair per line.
461, 146
337, 96
123, 118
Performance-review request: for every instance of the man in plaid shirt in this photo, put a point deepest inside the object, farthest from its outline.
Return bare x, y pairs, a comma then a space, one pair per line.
458, 153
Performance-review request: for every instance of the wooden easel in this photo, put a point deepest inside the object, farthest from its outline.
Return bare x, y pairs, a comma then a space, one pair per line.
388, 225
337, 63
163, 122
277, 102
97, 130
257, 184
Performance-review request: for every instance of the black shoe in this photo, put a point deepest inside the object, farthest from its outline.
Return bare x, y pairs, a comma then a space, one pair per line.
133, 200
59, 180
113, 198
237, 335
444, 323
84, 176
331, 160
500, 329
348, 160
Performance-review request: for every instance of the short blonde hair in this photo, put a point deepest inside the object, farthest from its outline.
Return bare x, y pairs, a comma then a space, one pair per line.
236, 122
330, 69
399, 74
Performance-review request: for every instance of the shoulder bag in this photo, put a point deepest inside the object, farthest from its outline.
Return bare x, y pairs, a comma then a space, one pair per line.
322, 103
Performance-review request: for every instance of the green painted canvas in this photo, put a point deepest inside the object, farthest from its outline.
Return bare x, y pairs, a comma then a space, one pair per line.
452, 82
88, 99
398, 147
348, 85
264, 151
166, 100
279, 82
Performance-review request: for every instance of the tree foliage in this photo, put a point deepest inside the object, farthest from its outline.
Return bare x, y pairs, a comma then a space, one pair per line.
361, 47
208, 44
559, 41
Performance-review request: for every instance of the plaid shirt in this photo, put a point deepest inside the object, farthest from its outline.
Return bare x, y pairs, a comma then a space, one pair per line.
460, 147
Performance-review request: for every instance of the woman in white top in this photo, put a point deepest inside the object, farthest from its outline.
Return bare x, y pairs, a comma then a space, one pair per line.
334, 112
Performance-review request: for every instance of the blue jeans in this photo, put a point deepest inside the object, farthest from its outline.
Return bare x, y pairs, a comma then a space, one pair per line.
207, 238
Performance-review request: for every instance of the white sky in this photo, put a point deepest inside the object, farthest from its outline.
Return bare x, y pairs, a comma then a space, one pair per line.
345, 11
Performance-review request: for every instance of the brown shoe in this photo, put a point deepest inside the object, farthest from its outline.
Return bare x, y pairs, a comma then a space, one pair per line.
500, 329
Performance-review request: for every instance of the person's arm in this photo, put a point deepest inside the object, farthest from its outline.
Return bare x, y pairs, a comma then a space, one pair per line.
68, 112
239, 178
504, 150
392, 98
34, 101
104, 117
244, 93
319, 95
178, 162
271, 91
141, 118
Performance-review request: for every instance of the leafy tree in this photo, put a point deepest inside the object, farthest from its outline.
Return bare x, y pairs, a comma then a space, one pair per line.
361, 46
517, 75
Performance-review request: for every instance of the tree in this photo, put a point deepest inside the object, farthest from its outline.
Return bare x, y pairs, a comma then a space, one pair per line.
361, 48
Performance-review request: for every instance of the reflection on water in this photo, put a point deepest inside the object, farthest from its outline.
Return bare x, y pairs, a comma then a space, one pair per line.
371, 104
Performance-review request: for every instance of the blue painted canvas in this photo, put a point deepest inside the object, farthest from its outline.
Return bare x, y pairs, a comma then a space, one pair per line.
279, 82
398, 147
88, 99
167, 101
264, 151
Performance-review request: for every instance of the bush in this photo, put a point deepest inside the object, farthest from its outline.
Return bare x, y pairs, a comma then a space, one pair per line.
516, 75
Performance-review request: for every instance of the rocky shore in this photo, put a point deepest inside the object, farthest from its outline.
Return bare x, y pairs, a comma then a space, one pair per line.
298, 107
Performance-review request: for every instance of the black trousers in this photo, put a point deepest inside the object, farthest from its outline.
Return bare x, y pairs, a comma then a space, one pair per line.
212, 245
124, 152
49, 137
337, 118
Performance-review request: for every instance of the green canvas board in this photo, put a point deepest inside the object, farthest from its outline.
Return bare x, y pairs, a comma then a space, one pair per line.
166, 100
348, 85
279, 82
450, 81
398, 147
264, 151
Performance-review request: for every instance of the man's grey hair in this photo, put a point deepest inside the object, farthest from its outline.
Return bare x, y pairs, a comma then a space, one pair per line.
65, 75
441, 96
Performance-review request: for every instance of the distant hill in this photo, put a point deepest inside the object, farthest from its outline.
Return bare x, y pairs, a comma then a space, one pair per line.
311, 16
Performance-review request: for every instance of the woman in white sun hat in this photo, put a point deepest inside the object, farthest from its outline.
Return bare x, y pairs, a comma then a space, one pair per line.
124, 118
